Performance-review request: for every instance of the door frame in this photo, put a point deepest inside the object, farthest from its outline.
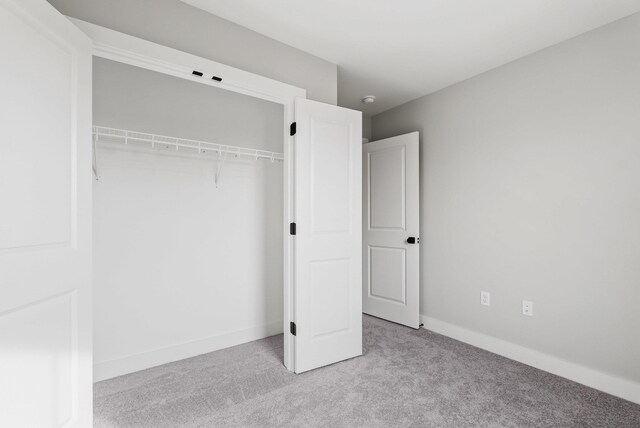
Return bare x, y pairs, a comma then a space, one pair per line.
120, 47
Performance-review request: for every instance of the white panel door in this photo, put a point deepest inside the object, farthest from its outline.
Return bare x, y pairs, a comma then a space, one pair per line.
328, 240
45, 218
391, 254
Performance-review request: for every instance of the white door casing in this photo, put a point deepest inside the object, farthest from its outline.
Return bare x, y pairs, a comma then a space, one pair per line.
116, 46
328, 240
391, 216
45, 218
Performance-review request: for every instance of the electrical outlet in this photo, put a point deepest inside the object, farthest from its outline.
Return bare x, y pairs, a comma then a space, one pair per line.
527, 308
485, 298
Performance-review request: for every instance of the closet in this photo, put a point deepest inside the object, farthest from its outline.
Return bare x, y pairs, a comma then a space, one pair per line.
187, 217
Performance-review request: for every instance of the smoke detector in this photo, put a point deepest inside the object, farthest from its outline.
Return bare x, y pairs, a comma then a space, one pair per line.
369, 99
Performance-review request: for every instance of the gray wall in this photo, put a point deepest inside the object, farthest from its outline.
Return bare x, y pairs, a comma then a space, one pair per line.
180, 26
366, 126
530, 189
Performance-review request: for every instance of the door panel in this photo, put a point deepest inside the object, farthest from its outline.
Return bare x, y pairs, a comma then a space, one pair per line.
330, 166
45, 220
388, 267
38, 349
391, 206
331, 297
387, 189
327, 245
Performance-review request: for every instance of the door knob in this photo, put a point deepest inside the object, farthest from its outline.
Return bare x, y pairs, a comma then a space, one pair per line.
413, 240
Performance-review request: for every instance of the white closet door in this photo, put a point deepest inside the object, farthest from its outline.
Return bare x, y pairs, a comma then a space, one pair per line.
391, 229
328, 241
45, 218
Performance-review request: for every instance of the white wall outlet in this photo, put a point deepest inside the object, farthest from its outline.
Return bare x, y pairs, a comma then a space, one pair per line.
485, 298
527, 308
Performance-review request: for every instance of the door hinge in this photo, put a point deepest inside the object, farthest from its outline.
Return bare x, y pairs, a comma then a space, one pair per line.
292, 129
292, 228
292, 328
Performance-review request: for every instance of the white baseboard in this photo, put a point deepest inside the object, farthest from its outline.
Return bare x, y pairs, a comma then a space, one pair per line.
610, 384
133, 363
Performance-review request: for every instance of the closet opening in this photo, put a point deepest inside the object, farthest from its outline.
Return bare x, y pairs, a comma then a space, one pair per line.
188, 218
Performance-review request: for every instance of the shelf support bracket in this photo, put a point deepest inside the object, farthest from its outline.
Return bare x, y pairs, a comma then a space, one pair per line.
95, 156
221, 159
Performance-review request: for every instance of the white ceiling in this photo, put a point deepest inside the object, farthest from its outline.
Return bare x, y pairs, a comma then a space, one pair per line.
399, 50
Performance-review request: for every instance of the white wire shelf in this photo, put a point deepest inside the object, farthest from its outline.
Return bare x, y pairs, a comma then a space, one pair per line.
162, 142
113, 135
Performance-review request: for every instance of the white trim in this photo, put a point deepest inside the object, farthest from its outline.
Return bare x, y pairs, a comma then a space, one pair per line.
134, 51
131, 50
610, 384
132, 363
289, 243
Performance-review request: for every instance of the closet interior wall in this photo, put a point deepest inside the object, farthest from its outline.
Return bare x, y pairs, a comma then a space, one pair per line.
182, 267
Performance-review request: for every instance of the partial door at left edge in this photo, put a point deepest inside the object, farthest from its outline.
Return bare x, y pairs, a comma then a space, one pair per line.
45, 218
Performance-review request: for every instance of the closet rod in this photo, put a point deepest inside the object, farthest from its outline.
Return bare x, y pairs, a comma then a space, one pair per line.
114, 135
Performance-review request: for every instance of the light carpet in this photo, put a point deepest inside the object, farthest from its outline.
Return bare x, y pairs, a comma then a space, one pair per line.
406, 378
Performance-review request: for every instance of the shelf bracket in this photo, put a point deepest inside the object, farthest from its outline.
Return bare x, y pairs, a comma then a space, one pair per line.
95, 157
221, 159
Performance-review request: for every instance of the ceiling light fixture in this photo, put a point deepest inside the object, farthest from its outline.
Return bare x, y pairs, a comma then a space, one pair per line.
369, 99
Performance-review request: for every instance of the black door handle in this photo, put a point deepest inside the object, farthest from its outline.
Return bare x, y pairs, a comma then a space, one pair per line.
413, 240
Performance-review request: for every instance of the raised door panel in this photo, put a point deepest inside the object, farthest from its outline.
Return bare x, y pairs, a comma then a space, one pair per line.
331, 176
330, 297
387, 274
387, 208
39, 351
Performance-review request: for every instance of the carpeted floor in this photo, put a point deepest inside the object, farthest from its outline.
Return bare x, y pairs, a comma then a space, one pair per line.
406, 378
